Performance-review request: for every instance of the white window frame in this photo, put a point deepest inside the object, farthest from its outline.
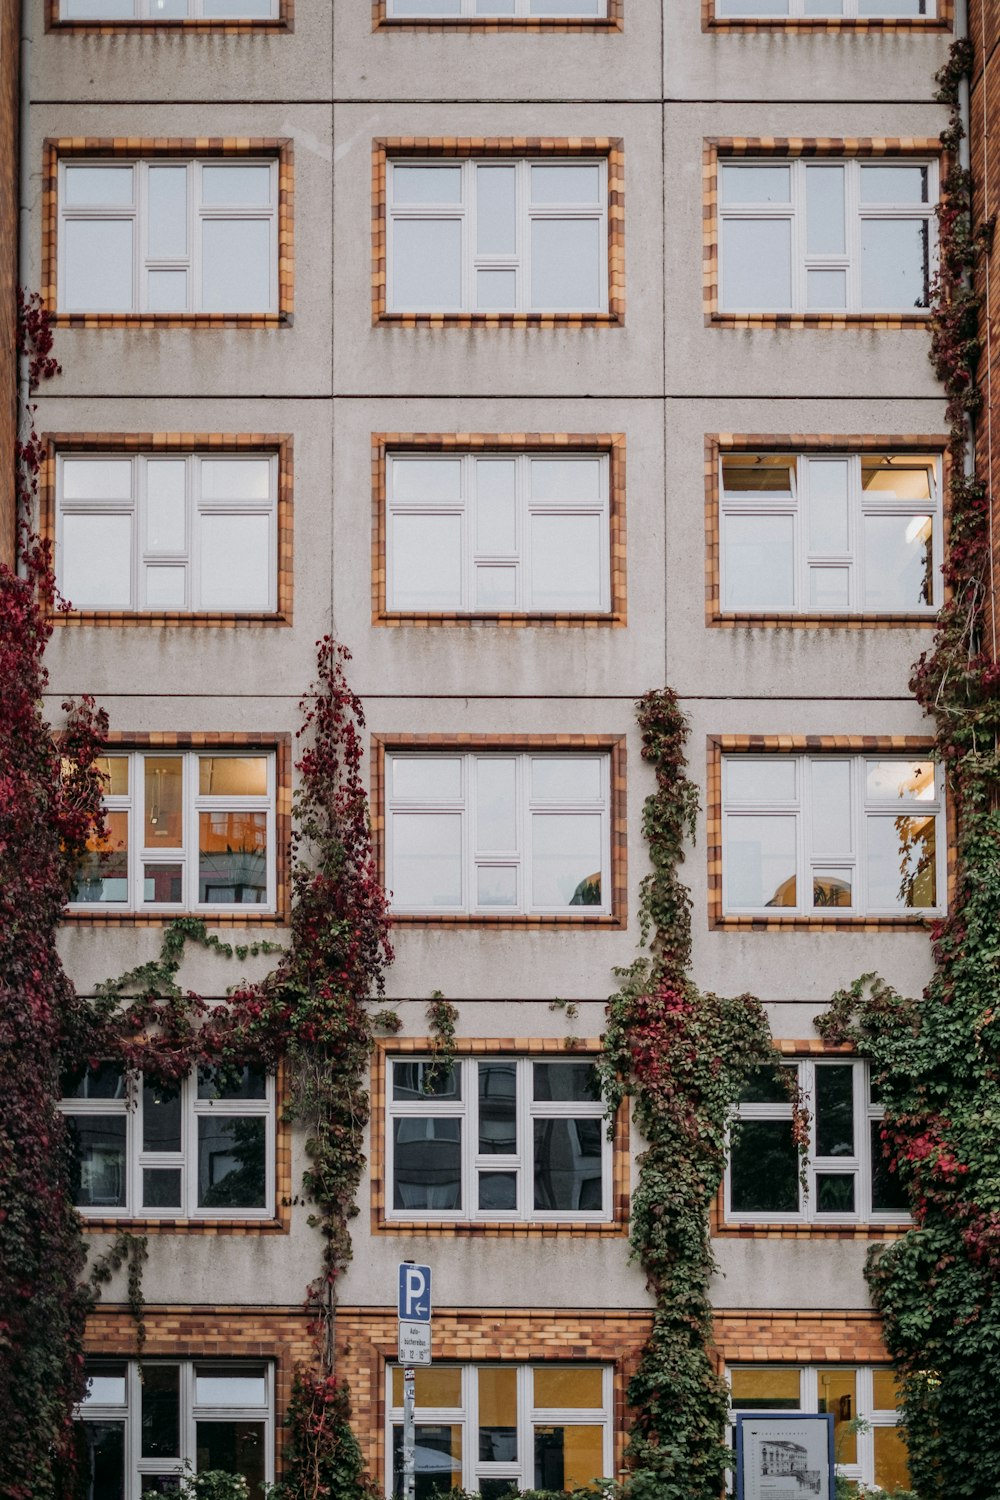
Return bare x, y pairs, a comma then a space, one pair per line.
478, 10
144, 10
797, 10
860, 504
472, 858
864, 1470
859, 1166
138, 214
196, 507
855, 213
186, 1160
526, 213
466, 1109
809, 861
528, 1416
130, 1412
525, 508
194, 803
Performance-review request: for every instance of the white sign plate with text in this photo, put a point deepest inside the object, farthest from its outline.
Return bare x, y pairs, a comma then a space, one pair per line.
414, 1343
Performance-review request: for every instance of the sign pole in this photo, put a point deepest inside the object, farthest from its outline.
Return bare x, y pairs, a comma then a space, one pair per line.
414, 1348
409, 1440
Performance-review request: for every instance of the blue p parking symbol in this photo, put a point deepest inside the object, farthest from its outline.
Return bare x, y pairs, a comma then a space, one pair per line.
414, 1293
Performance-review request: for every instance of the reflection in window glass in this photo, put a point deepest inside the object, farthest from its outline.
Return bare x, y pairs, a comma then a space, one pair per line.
764, 1163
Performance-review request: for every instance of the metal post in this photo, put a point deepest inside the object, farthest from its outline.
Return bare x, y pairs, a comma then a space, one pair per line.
409, 1448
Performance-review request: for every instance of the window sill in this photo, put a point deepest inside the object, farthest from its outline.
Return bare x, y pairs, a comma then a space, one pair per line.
506, 621
499, 23
249, 917
815, 923
243, 1227
860, 621
834, 24
158, 618
727, 1229
499, 320
172, 320
893, 322
482, 1229
184, 24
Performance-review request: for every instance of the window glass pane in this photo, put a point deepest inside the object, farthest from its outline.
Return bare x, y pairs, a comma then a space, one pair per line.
496, 588
167, 291
437, 1386
835, 1109
427, 778
568, 1165
830, 784
167, 210
566, 479
496, 811
566, 184
236, 1448
438, 1459
902, 860
765, 1388
837, 1394
756, 268
759, 562
232, 775
102, 874
229, 184
764, 1088
96, 564
566, 562
834, 1193
568, 1387
497, 1192
832, 887
164, 588
232, 858
104, 10
576, 1082
225, 9
161, 1116
163, 778
232, 1082
496, 885
426, 860
565, 8
760, 862
893, 184
104, 186
426, 563
770, 472
497, 1109
829, 588
828, 506
892, 1469
497, 1414
105, 1081
421, 1080
496, 533
894, 263
764, 1168
565, 263
165, 491
898, 562
755, 781
161, 1417
114, 774
567, 1457
566, 859
96, 479
565, 778
230, 1385
231, 1161
825, 211
496, 201
97, 1171
427, 264
426, 184
426, 479
161, 1189
885, 1392
98, 265
426, 8
427, 1163
234, 561
163, 884
882, 480
235, 478
888, 1193
106, 1385
772, 184
496, 291
236, 265
100, 1449
891, 780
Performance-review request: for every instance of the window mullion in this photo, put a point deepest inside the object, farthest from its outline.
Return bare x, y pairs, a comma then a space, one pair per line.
526, 1138
522, 239
469, 1074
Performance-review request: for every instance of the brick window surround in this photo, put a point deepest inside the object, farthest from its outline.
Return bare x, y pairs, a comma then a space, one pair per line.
793, 1337
831, 24
613, 21
280, 745
128, 148
511, 147
611, 443
839, 744
718, 444
284, 21
539, 1049
720, 1228
461, 743
68, 443
813, 147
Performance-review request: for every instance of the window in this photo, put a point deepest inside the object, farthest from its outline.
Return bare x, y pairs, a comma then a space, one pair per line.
168, 10
497, 532
168, 236
140, 1427
828, 9
876, 1456
498, 235
832, 835
848, 1177
497, 1428
844, 533
826, 235
498, 833
497, 1138
491, 9
203, 1148
185, 831
169, 531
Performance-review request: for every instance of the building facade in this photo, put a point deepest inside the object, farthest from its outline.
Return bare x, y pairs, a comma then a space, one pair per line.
344, 299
